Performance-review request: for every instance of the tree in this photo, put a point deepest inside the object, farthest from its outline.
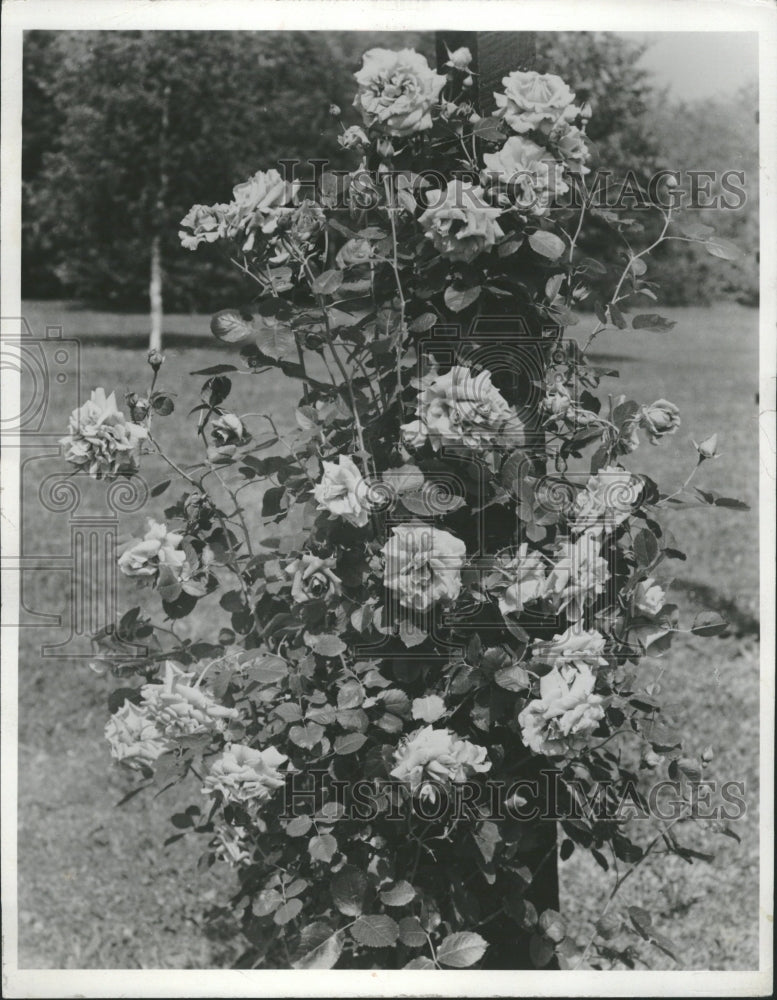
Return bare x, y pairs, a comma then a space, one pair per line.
152, 122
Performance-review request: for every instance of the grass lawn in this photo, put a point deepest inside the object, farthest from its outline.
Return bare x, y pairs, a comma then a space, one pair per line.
96, 890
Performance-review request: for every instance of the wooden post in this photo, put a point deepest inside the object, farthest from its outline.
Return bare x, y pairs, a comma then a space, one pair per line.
495, 54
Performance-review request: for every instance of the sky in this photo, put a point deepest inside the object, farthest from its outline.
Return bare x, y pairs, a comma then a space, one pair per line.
700, 63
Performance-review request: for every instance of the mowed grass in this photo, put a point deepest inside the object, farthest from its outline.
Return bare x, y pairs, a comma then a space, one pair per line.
96, 887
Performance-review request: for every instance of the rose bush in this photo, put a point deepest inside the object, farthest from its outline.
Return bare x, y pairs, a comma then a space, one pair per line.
455, 578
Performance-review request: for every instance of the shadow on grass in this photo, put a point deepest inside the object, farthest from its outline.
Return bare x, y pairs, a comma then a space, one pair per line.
742, 622
139, 341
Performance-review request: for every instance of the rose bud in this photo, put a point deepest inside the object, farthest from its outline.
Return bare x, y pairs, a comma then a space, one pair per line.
334, 110
708, 448
155, 359
385, 147
460, 59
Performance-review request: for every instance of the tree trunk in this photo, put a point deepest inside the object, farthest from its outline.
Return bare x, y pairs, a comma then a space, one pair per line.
155, 286
155, 294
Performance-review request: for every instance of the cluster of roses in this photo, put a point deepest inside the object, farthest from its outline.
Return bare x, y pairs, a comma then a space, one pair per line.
417, 568
399, 95
422, 564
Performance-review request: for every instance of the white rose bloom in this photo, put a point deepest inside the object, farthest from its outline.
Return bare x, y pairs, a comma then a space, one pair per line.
530, 175
578, 575
649, 597
526, 572
397, 91
262, 200
207, 223
608, 499
179, 708
244, 775
565, 712
423, 565
158, 548
101, 440
459, 408
343, 491
535, 100
428, 709
575, 647
134, 736
439, 755
313, 578
460, 223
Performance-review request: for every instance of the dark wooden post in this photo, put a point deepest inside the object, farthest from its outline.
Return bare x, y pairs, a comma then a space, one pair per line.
495, 54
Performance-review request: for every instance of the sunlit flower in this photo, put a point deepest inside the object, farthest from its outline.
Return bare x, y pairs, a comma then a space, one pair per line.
459, 222
343, 491
397, 91
461, 408
242, 774
649, 597
158, 547
609, 498
527, 174
578, 575
525, 574
134, 737
437, 755
101, 440
575, 646
423, 565
180, 708
534, 100
564, 714
206, 224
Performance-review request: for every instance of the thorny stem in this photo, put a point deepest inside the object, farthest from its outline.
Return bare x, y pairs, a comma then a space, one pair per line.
616, 296
681, 488
233, 563
346, 378
392, 209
